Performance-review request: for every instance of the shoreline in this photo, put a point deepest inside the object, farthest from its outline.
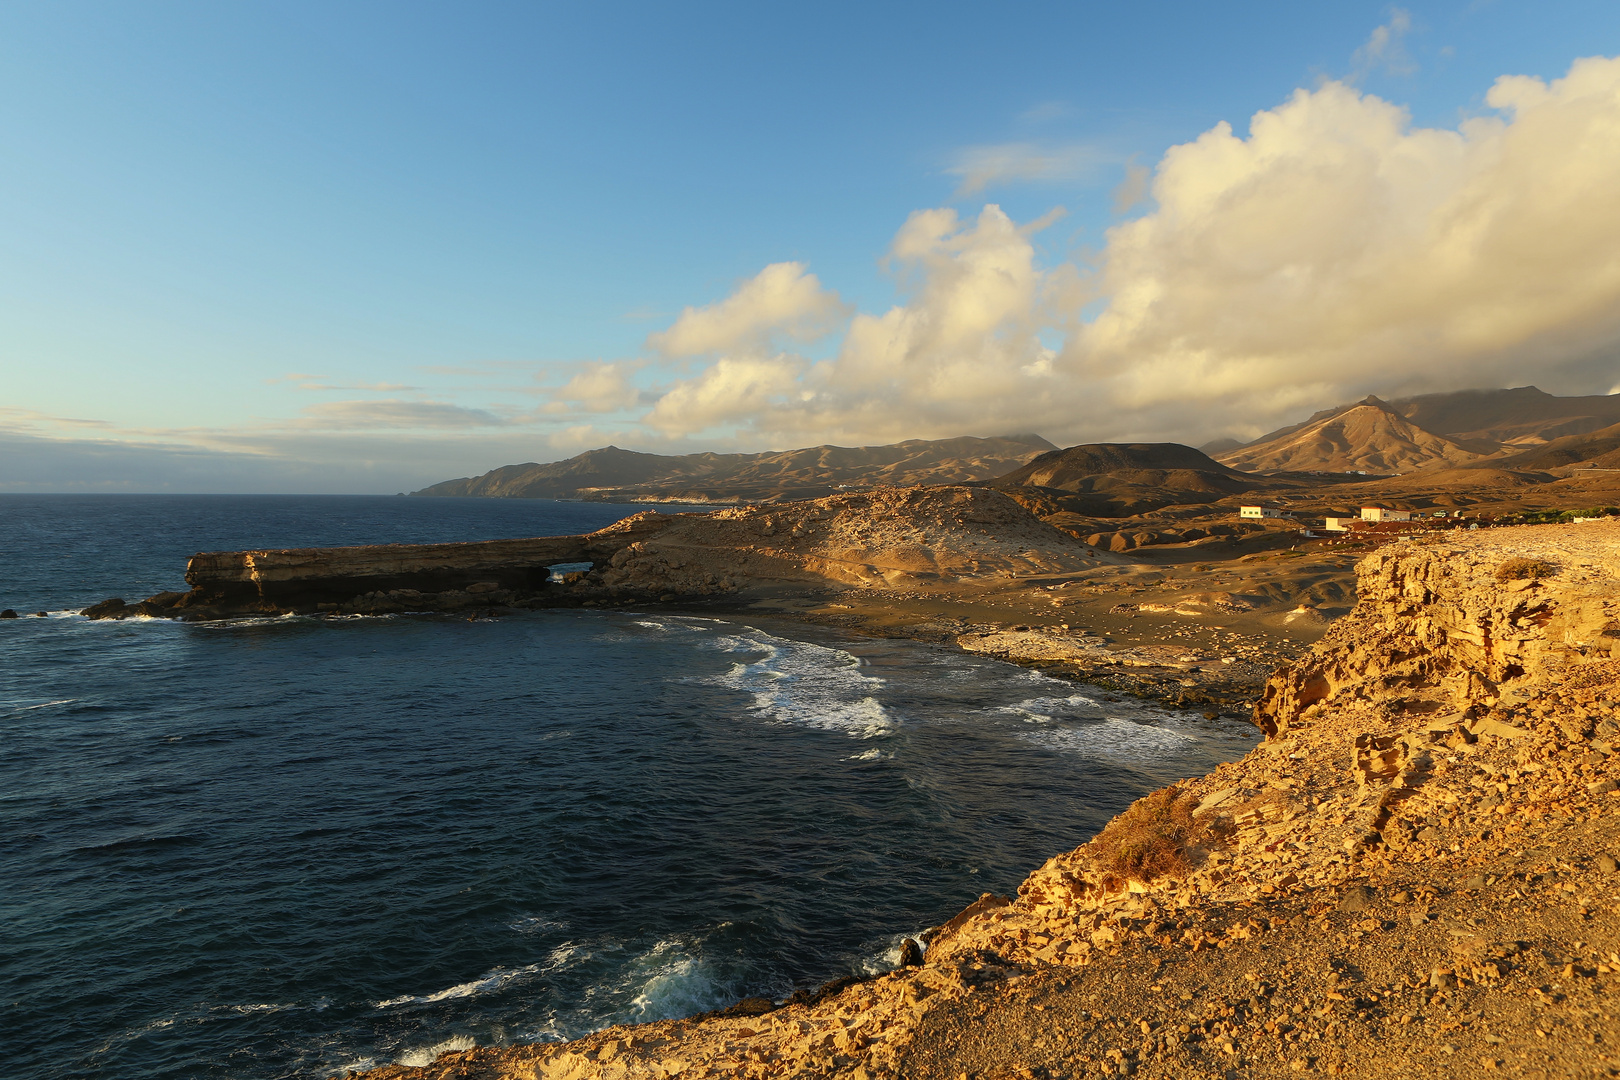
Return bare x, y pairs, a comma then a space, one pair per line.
1436, 901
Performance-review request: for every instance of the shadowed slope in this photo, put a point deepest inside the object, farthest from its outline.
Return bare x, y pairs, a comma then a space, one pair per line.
611, 474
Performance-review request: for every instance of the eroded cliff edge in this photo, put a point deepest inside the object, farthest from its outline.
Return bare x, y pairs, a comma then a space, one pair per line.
1413, 874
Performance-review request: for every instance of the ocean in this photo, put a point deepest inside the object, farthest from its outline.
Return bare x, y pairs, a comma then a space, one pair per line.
290, 847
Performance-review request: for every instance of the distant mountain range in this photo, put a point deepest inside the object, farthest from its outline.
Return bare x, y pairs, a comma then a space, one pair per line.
614, 475
1506, 438
1434, 431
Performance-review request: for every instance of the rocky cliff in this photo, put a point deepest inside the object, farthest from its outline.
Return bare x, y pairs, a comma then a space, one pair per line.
1413, 874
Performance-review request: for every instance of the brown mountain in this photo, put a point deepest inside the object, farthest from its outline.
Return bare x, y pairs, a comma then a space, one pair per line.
1522, 416
1369, 436
1595, 450
614, 475
1111, 479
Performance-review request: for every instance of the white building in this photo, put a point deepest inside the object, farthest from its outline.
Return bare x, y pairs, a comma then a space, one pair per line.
1339, 522
1384, 513
1261, 512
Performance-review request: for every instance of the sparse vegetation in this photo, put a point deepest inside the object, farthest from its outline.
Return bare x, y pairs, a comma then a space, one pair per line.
1151, 838
1521, 569
1558, 517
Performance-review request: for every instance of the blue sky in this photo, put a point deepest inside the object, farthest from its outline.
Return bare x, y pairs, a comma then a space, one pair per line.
366, 246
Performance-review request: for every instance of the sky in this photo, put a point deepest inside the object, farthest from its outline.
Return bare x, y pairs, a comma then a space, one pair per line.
364, 247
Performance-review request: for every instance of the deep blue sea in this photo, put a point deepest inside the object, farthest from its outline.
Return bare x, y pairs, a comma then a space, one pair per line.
291, 847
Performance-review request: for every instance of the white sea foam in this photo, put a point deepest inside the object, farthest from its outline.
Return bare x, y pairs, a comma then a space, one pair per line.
1041, 710
873, 754
1113, 738
18, 710
248, 1009
673, 982
1129, 733
484, 984
427, 1055
796, 682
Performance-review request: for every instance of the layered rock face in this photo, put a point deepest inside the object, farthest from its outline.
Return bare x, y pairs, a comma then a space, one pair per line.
1441, 627
1412, 874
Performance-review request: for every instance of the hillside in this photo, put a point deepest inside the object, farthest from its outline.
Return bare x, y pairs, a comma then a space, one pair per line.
1522, 416
1369, 437
1109, 479
610, 474
1598, 449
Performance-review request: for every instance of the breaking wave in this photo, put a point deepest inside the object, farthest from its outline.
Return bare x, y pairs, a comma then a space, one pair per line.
807, 685
427, 1055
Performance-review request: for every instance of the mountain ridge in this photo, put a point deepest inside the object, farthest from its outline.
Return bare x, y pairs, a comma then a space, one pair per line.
1369, 436
612, 474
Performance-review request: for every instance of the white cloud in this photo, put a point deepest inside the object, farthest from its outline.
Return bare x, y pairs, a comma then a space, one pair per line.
1334, 250
1338, 246
982, 167
342, 415
780, 300
732, 391
597, 387
1133, 188
1385, 48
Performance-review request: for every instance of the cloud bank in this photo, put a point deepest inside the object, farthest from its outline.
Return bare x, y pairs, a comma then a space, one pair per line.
1334, 250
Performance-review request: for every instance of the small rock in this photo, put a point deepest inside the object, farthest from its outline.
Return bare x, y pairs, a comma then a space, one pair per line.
1441, 979
1602, 787
1475, 882
911, 954
1356, 898
8, 614
1607, 864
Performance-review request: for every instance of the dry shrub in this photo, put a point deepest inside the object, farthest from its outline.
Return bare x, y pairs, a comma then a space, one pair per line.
1520, 569
1150, 839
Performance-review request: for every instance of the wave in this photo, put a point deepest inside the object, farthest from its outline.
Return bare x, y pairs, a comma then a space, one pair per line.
1043, 710
673, 982
1114, 738
15, 710
487, 983
138, 842
1080, 723
796, 682
427, 1055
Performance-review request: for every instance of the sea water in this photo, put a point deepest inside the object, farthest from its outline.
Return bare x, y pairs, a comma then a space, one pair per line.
288, 847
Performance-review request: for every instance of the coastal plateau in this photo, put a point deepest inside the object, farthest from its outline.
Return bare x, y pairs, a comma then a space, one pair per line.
1414, 873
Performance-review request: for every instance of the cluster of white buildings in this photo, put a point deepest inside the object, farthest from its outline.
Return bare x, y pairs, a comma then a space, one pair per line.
1343, 522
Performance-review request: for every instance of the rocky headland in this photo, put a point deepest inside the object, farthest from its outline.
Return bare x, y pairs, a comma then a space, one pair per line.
883, 538
970, 567
1413, 874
